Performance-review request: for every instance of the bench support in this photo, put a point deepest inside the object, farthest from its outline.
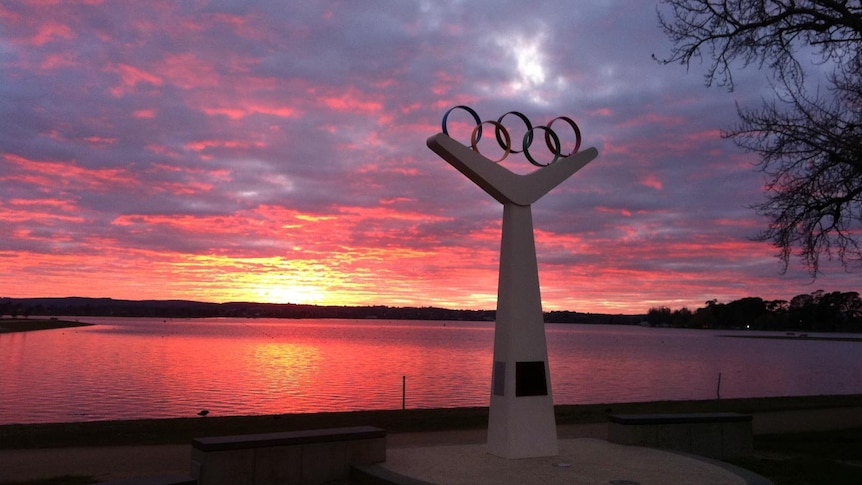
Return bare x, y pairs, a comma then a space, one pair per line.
297, 457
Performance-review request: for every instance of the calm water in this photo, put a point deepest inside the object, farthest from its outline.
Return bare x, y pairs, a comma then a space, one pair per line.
151, 368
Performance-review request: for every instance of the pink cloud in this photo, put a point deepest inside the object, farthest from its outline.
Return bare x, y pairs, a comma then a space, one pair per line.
147, 114
206, 147
68, 174
353, 101
188, 71
651, 181
29, 211
51, 31
58, 60
237, 112
100, 140
131, 76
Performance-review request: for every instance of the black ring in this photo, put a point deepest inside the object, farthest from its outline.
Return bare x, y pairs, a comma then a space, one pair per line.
526, 122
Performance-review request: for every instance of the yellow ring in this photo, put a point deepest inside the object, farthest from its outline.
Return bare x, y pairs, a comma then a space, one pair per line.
474, 139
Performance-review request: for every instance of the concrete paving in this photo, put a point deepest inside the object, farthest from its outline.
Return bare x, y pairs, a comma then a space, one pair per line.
580, 461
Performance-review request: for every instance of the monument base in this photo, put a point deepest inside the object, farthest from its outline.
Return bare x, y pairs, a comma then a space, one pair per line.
522, 427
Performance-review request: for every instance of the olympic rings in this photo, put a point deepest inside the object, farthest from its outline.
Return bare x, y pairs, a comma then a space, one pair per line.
504, 140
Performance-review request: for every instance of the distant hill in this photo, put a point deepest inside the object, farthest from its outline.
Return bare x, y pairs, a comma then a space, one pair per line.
77, 306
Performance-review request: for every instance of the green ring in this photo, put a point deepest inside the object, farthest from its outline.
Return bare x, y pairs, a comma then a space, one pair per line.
548, 131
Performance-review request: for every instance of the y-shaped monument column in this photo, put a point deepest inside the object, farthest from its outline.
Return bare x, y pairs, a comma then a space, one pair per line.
521, 422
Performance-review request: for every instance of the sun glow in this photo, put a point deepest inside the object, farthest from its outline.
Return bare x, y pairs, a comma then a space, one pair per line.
266, 280
290, 293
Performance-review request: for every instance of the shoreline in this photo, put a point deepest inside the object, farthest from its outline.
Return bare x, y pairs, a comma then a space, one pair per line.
14, 325
803, 337
182, 430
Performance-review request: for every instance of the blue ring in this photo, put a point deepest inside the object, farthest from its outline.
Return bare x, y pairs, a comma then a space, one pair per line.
472, 113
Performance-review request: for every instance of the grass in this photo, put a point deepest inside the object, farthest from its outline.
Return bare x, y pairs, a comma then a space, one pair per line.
809, 458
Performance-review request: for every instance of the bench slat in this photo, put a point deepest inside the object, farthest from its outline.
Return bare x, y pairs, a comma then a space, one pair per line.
287, 438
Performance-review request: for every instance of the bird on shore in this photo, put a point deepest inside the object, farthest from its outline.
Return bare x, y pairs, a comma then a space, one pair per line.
203, 412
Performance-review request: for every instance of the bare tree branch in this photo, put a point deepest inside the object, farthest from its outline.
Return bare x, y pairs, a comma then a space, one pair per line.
810, 146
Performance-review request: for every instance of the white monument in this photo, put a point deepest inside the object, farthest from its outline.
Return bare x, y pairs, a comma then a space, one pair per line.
521, 421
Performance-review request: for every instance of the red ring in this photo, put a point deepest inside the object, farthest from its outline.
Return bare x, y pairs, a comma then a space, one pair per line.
574, 127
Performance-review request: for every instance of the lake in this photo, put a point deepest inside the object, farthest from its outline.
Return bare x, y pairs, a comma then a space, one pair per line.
133, 368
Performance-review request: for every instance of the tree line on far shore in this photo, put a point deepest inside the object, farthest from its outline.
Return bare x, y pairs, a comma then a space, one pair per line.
818, 311
109, 307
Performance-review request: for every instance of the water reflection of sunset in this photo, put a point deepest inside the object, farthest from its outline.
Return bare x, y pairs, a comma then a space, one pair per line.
286, 367
151, 368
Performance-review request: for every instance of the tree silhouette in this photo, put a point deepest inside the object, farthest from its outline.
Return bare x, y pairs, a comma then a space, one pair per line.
809, 137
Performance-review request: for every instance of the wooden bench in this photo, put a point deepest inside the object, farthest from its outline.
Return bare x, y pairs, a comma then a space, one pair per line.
295, 457
715, 435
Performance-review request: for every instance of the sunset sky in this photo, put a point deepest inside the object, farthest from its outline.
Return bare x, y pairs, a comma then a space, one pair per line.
275, 151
